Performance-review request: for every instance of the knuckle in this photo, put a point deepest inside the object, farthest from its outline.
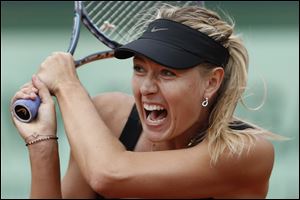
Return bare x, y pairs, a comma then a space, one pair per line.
29, 84
26, 90
34, 89
19, 93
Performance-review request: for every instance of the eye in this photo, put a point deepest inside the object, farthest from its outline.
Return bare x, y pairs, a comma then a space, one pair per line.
138, 69
167, 73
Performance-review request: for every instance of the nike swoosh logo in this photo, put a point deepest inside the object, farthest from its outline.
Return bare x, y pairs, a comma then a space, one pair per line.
154, 29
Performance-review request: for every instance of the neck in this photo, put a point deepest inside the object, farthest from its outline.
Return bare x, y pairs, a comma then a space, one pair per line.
161, 146
183, 140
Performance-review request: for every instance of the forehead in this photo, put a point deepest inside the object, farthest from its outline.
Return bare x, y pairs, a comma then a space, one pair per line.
146, 61
140, 58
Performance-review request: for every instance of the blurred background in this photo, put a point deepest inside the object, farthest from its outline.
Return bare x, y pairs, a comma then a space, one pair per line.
30, 31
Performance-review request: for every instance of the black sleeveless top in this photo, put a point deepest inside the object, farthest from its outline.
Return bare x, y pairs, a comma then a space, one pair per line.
133, 129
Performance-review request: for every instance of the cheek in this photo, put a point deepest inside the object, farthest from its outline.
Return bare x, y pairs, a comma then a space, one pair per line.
190, 100
185, 102
135, 84
186, 93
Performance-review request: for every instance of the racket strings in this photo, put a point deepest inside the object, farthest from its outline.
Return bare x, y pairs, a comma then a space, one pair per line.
130, 19
121, 17
124, 21
101, 14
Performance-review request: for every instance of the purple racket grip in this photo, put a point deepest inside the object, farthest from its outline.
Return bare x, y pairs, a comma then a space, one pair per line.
26, 110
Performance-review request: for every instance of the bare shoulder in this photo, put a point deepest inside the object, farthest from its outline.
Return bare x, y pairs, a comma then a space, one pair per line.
250, 171
114, 108
261, 152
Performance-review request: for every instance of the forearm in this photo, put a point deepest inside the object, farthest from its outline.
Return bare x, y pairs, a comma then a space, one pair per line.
91, 141
45, 170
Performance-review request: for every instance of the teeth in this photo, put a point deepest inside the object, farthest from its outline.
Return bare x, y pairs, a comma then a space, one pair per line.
155, 121
153, 107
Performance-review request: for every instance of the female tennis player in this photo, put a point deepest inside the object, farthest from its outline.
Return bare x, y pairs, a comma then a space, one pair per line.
176, 137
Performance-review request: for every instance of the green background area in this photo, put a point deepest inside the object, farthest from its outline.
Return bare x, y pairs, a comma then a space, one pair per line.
30, 31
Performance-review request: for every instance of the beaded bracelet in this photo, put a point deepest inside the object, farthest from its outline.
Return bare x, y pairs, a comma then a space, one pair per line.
48, 137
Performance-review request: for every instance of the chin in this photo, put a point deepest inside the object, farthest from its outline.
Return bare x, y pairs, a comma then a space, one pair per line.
159, 133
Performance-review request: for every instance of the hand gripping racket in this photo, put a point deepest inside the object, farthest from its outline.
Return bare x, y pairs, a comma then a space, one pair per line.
113, 23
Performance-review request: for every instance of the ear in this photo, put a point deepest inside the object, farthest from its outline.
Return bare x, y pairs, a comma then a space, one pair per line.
213, 82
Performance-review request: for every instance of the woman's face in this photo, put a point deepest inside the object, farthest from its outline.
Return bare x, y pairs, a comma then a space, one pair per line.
168, 101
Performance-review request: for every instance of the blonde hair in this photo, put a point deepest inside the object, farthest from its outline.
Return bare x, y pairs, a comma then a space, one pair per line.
219, 135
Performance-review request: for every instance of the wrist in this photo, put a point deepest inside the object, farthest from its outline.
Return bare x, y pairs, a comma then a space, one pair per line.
70, 91
39, 151
66, 87
36, 138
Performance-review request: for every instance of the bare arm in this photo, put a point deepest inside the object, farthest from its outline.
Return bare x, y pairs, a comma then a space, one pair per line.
74, 185
44, 158
92, 142
45, 170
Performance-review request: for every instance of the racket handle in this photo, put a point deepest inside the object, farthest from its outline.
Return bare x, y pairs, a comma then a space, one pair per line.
26, 110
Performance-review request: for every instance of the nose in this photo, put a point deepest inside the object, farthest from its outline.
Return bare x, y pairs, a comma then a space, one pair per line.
149, 86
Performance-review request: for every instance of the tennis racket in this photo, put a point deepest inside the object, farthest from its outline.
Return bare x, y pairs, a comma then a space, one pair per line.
113, 23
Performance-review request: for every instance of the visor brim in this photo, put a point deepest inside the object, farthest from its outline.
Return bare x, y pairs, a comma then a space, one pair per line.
160, 52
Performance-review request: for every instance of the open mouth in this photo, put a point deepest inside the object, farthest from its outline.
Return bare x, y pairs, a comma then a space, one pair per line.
155, 114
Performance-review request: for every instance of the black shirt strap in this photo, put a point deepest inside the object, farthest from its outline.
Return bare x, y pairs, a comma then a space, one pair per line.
239, 125
132, 130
